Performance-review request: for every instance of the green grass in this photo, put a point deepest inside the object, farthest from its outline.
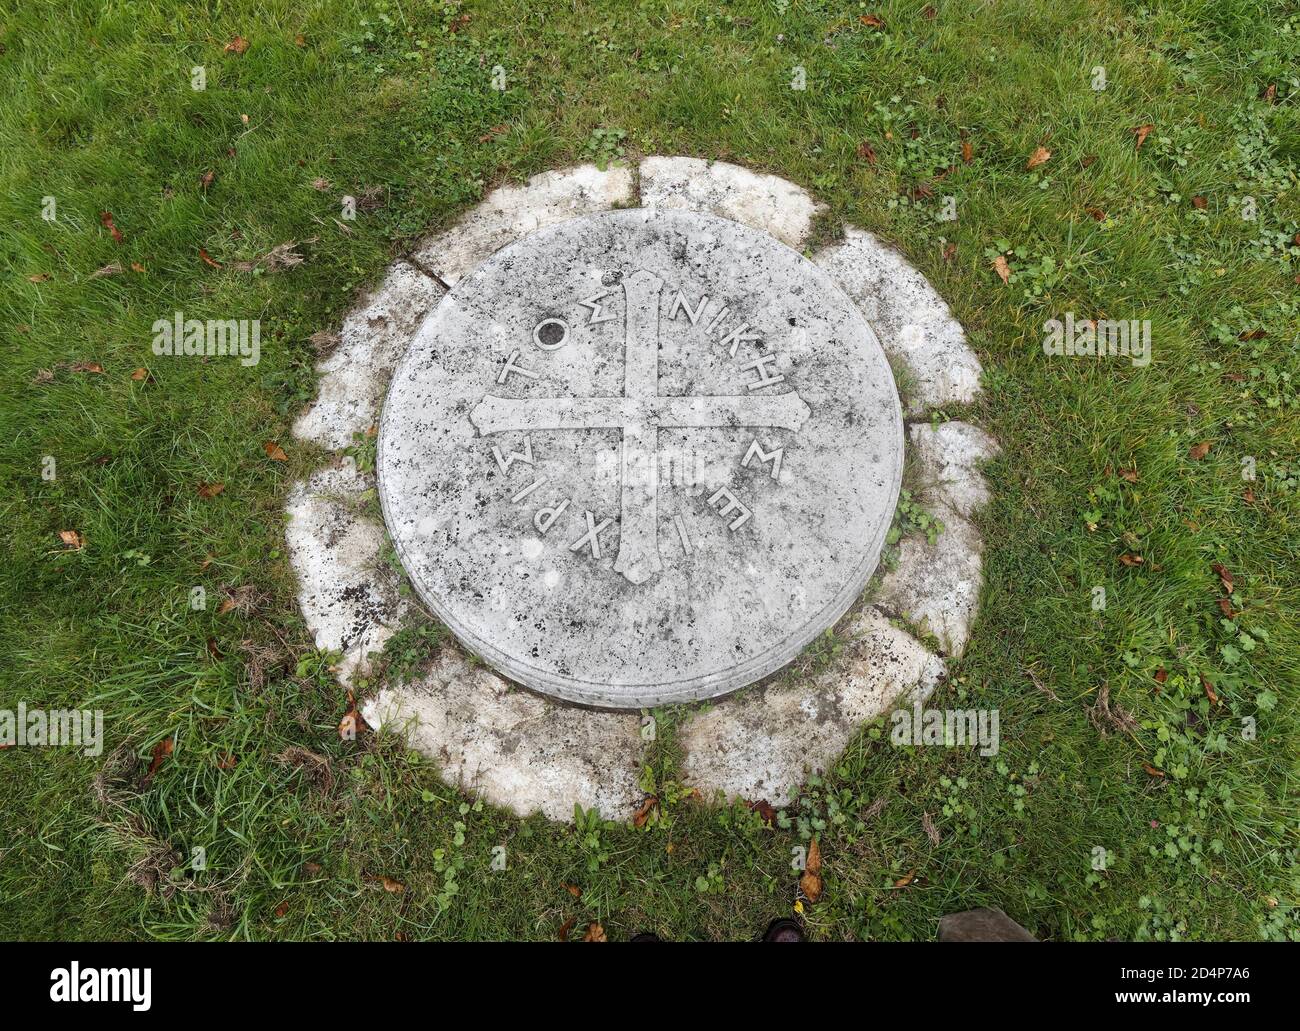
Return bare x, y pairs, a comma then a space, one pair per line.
395, 99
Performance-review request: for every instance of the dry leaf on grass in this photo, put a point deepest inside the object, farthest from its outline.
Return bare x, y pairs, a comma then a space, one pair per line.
643, 813
595, 933
1001, 267
208, 491
1225, 577
872, 21
1198, 451
106, 220
1040, 156
72, 539
161, 753
811, 882
236, 46
867, 152
1142, 132
274, 452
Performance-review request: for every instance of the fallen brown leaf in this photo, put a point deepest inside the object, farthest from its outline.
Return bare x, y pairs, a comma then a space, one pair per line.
1152, 771
1199, 202
872, 21
206, 180
140, 375
765, 809
906, 879
565, 928
1129, 475
573, 890
1040, 156
1162, 675
161, 752
1208, 688
1130, 559
642, 814
1088, 160
1001, 267
967, 151
811, 886
928, 12
136, 267
1270, 93
1198, 451
274, 452
227, 762
72, 539
94, 367
1248, 496
207, 260
390, 885
867, 152
1225, 577
39, 277
1141, 132
1096, 214
106, 220
595, 933
236, 46
208, 491
949, 251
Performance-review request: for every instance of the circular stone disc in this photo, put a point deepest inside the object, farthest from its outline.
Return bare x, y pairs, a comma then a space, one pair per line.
641, 457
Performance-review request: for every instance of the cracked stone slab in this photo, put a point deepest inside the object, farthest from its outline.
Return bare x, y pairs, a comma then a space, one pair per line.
515, 748
937, 586
762, 201
372, 340
763, 744
511, 212
347, 597
913, 322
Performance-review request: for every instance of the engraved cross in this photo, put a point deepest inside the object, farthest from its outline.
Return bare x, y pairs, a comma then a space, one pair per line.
639, 413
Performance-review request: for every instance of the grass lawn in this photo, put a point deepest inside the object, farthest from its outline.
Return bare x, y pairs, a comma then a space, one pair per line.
1193, 798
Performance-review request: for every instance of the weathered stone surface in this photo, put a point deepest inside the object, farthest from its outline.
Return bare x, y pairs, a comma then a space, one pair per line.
761, 201
948, 457
913, 323
982, 925
641, 457
513, 747
937, 586
762, 744
349, 600
372, 339
511, 212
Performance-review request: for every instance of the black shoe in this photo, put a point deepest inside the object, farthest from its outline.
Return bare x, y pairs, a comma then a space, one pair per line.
783, 930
